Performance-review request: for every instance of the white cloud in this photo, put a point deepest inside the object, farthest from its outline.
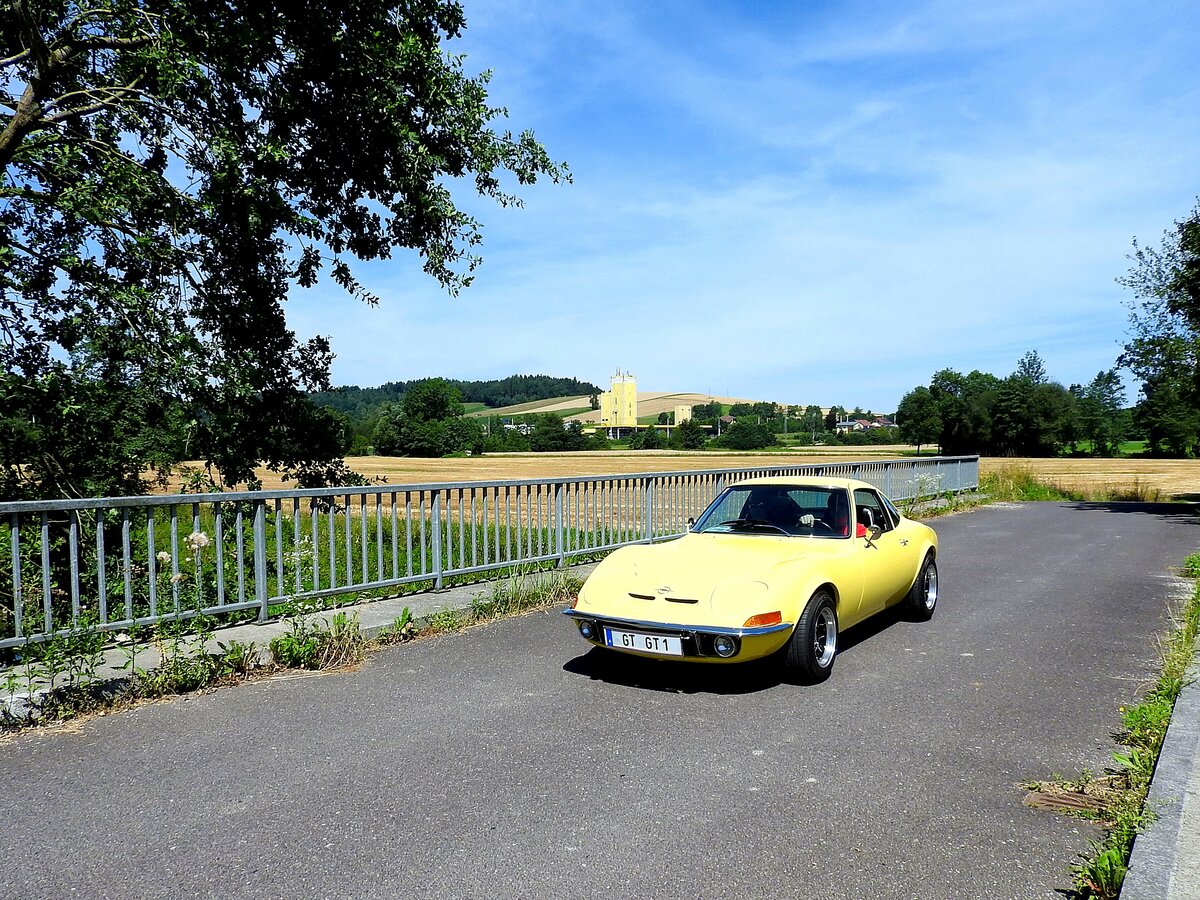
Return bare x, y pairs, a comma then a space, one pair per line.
825, 212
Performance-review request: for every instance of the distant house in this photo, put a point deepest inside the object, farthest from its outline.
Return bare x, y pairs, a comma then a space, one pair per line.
863, 424
727, 420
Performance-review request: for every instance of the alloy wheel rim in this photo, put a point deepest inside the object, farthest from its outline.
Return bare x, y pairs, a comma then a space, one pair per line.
824, 637
931, 587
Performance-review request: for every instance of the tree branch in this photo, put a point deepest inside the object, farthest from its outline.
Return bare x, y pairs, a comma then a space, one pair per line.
13, 60
33, 36
104, 98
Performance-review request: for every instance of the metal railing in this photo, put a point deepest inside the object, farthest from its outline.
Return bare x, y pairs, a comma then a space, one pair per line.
113, 564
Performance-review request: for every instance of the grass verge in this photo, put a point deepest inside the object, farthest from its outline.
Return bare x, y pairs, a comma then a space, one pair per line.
1118, 798
58, 681
1019, 484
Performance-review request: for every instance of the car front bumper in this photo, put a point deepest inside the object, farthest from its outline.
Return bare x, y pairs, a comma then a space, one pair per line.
697, 641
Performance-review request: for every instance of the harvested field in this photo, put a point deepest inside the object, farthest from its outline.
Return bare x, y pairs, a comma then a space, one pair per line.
1100, 478
1118, 479
513, 466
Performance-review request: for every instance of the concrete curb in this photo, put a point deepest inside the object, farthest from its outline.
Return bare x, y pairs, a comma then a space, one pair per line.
374, 617
1165, 862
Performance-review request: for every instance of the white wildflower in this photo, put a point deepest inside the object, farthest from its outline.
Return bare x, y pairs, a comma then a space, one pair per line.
163, 557
197, 541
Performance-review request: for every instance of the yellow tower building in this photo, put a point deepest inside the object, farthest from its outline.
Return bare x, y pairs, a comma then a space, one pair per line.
618, 407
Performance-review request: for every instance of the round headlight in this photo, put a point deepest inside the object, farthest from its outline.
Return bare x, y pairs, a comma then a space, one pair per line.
724, 645
587, 629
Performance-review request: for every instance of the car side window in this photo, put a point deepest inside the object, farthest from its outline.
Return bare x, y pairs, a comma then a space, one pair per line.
869, 501
891, 508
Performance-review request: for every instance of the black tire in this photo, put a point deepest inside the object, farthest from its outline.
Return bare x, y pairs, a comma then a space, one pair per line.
810, 652
923, 595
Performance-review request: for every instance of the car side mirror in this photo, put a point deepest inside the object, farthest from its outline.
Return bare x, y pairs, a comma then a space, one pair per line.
870, 534
690, 523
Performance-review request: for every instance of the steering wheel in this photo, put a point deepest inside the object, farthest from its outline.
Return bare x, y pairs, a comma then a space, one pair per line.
763, 523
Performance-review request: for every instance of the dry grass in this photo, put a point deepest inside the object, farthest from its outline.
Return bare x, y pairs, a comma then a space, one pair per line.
1110, 479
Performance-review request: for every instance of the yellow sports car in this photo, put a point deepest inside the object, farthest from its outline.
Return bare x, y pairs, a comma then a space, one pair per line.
772, 566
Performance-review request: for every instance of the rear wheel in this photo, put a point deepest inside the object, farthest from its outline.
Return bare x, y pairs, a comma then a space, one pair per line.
810, 652
923, 596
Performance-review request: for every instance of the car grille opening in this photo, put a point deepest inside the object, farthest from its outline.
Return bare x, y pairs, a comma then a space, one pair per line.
668, 599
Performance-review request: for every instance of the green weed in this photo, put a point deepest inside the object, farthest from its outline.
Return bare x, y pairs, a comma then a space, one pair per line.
1015, 484
445, 620
524, 591
310, 644
1100, 875
403, 628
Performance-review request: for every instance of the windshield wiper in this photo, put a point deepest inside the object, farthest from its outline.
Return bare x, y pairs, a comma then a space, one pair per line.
751, 523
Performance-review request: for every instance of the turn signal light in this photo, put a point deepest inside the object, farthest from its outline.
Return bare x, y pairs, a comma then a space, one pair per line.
771, 618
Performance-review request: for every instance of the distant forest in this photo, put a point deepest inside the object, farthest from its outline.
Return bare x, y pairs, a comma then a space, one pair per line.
362, 403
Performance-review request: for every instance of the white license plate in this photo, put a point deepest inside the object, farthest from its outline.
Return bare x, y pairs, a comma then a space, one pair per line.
644, 643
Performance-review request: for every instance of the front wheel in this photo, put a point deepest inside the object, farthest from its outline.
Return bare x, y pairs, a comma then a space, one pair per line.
923, 596
810, 652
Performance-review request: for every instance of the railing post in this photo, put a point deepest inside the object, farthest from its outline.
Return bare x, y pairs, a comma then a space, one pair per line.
887, 477
260, 558
648, 513
18, 600
435, 512
559, 543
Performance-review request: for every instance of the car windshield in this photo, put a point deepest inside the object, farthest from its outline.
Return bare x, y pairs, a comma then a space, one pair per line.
799, 510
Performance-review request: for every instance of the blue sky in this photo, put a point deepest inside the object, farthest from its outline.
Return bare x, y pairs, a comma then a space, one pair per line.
804, 202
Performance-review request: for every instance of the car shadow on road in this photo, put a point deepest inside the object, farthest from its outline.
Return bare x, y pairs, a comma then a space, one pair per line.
674, 676
864, 631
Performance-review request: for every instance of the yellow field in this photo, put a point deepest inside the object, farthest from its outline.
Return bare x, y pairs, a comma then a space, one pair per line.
1166, 478
514, 466
1135, 477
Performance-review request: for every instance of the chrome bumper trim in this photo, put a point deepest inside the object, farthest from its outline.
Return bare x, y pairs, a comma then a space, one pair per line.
675, 627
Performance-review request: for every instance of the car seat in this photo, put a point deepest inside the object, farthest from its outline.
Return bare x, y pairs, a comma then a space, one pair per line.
837, 514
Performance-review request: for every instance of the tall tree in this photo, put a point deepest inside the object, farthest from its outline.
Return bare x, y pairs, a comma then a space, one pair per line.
688, 435
917, 417
172, 168
429, 422
1100, 405
812, 421
1031, 369
1164, 348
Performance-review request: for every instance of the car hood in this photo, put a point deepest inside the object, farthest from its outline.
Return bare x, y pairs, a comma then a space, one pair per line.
698, 576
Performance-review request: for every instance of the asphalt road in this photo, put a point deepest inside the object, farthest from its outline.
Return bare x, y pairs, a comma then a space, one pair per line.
507, 762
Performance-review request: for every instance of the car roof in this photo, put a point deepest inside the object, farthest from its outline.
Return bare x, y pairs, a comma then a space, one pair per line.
806, 481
